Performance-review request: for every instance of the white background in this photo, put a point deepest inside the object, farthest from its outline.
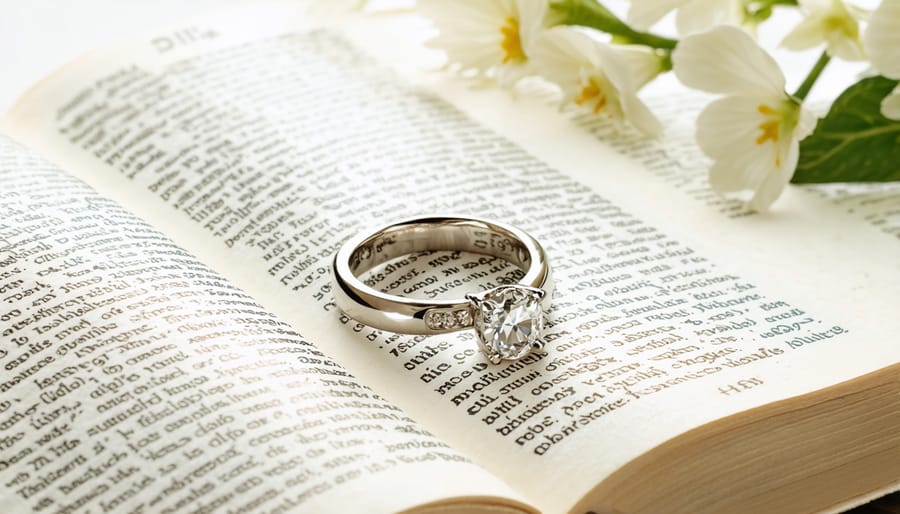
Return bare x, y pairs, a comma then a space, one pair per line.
38, 36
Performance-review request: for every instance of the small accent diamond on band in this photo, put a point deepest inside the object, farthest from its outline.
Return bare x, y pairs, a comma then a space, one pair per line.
437, 319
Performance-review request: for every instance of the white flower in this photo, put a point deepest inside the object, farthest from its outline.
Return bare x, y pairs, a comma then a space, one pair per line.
883, 44
487, 36
693, 15
753, 133
831, 22
597, 75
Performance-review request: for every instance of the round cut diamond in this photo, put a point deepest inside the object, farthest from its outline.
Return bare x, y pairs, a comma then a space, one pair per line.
508, 321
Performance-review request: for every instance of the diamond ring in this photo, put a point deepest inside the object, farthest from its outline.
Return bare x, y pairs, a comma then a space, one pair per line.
508, 319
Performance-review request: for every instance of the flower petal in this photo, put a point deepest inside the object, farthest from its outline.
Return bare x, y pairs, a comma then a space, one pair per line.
882, 38
807, 34
890, 106
643, 62
614, 65
642, 14
474, 34
640, 116
737, 173
559, 54
565, 55
469, 30
700, 15
533, 19
805, 124
830, 22
774, 183
843, 47
727, 131
465, 12
727, 60
730, 125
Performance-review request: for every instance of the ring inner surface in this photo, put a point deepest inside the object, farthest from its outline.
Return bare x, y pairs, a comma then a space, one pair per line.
400, 240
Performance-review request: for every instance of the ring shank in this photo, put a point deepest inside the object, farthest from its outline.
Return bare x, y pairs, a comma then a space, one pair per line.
438, 234
406, 315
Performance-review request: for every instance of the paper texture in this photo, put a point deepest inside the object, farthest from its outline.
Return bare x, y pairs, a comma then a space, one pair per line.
138, 377
261, 154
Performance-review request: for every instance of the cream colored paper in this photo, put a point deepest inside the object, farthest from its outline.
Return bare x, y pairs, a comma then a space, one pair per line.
366, 160
136, 378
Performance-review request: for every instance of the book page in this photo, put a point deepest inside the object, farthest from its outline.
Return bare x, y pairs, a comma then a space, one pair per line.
138, 380
261, 154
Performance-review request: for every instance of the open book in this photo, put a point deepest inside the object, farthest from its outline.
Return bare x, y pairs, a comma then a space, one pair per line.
170, 344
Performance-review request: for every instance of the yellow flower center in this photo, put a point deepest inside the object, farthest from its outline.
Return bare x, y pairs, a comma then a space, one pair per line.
842, 23
590, 92
770, 126
770, 129
511, 43
778, 122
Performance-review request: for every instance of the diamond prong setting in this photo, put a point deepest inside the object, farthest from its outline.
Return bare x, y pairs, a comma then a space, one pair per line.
508, 321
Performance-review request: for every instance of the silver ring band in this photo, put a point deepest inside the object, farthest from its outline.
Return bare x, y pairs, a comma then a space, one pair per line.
485, 311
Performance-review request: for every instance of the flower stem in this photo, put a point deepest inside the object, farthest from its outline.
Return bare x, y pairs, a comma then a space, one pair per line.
810, 79
758, 11
760, 5
591, 13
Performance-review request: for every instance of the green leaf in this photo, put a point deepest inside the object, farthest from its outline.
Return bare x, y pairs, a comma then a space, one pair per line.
853, 142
